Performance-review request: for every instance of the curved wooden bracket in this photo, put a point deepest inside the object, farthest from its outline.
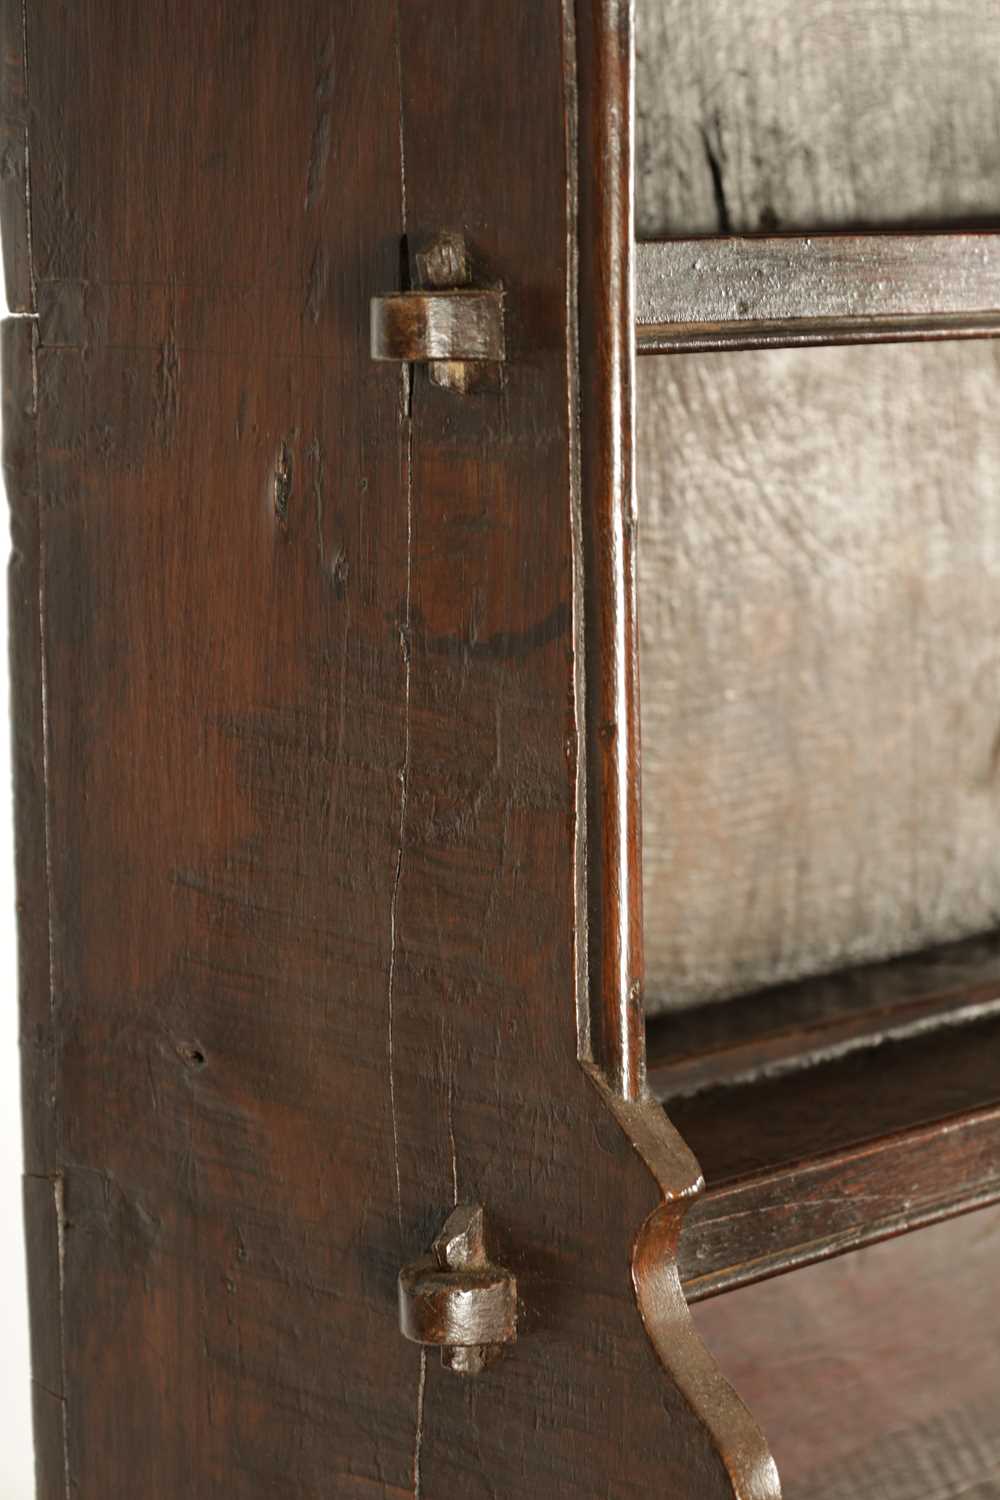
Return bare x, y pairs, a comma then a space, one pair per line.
748, 1470
612, 1033
742, 1447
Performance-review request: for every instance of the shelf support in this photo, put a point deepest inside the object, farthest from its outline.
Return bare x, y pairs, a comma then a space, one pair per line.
784, 291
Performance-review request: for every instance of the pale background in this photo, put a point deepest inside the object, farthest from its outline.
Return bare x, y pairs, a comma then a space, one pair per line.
16, 1462
819, 535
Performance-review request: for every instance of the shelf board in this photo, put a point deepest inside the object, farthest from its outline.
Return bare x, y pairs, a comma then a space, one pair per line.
798, 1025
777, 291
774, 1221
834, 1113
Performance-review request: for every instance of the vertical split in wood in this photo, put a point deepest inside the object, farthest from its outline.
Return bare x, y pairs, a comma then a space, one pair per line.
42, 1185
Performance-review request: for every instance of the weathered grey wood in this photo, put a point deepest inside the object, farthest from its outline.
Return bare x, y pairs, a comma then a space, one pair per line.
820, 548
772, 114
727, 292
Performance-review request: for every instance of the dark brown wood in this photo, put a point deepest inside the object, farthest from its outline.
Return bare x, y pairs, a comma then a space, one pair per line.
493, 642
935, 1075
328, 788
14, 213
42, 1181
780, 1220
607, 494
821, 1160
205, 448
311, 857
42, 1228
834, 1112
878, 1373
775, 291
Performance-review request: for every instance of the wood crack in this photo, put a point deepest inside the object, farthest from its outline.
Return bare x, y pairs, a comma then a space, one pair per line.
419, 1434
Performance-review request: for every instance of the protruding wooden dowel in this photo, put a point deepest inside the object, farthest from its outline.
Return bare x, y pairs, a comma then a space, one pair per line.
427, 325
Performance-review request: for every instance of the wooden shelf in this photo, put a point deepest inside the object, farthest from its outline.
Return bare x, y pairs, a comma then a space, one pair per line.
775, 291
835, 1113
794, 1026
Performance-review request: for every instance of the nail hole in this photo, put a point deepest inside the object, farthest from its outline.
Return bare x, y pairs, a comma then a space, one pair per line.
191, 1055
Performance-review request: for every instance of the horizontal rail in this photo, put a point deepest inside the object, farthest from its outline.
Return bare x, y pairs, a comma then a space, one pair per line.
859, 1143
777, 291
778, 1221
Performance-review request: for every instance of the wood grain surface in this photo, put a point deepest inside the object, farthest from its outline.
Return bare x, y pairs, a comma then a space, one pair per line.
300, 733
613, 1026
764, 115
820, 554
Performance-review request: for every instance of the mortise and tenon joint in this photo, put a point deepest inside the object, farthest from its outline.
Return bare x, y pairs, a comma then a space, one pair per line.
457, 1298
446, 322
